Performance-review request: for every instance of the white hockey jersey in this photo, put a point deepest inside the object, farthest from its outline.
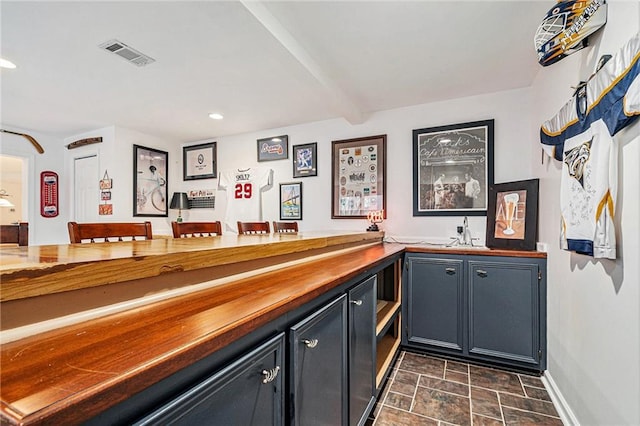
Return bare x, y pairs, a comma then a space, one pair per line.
581, 136
243, 188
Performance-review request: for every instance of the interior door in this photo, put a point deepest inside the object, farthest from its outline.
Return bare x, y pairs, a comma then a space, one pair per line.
85, 189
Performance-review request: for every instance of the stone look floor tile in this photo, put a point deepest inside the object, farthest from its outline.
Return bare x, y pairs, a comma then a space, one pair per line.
456, 376
457, 366
442, 406
404, 382
422, 365
518, 417
392, 417
485, 402
479, 420
528, 404
495, 379
444, 385
398, 400
537, 393
531, 381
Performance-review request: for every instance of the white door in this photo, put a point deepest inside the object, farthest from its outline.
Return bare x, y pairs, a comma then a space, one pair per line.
86, 189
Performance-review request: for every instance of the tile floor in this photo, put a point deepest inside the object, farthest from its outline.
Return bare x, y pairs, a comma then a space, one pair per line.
425, 390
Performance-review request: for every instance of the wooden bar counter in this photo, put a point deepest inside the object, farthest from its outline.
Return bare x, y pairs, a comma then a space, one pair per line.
71, 374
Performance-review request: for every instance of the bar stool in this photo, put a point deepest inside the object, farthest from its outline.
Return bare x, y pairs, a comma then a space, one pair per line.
196, 229
285, 227
252, 228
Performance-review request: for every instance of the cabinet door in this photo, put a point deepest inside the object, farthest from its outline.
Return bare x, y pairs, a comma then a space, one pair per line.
504, 306
433, 303
247, 392
319, 370
362, 364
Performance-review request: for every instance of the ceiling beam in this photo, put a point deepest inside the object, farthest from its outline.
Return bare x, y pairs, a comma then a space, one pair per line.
344, 105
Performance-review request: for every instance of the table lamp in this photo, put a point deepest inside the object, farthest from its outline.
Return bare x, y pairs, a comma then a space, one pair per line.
179, 201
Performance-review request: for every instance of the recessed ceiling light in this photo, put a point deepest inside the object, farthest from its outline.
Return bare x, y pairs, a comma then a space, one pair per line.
6, 64
216, 116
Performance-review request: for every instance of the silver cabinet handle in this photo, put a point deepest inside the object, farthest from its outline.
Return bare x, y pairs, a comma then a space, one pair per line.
450, 271
270, 375
481, 273
357, 302
310, 343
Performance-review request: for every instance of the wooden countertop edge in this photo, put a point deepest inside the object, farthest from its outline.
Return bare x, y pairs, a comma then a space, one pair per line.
64, 276
90, 401
475, 251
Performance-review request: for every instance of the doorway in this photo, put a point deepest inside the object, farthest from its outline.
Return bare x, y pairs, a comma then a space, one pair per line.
86, 194
13, 190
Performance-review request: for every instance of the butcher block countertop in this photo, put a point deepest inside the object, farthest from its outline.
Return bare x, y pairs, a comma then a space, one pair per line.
70, 374
37, 270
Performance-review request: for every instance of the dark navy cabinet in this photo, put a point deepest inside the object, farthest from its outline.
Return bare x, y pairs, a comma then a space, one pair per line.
362, 350
319, 366
249, 391
486, 308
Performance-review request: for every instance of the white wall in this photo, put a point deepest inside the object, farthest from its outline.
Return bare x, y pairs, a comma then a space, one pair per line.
593, 305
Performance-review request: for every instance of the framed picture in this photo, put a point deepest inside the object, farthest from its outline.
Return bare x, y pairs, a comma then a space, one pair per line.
291, 201
452, 169
358, 176
149, 181
274, 148
512, 217
305, 160
199, 161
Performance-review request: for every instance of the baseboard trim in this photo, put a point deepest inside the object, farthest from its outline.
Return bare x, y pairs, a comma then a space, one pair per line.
562, 407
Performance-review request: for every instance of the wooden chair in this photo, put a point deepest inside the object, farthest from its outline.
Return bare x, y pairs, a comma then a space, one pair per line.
196, 229
248, 228
17, 234
285, 227
81, 232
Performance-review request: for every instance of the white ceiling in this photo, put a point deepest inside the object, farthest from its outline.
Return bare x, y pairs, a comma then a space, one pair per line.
261, 64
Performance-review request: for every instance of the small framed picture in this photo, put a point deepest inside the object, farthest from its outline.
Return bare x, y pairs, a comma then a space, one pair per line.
291, 201
273, 148
199, 161
512, 217
105, 195
150, 181
305, 160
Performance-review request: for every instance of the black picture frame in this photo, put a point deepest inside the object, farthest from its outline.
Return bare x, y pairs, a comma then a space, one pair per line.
453, 169
512, 216
305, 160
273, 148
291, 201
199, 161
358, 177
150, 182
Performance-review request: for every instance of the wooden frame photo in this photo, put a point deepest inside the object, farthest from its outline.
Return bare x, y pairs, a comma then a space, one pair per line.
199, 161
291, 201
512, 217
358, 177
305, 160
150, 181
453, 169
273, 148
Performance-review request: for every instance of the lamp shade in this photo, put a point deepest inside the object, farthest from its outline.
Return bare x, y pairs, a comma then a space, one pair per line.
179, 200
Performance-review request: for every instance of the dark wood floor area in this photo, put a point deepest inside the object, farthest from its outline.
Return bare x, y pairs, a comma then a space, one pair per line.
425, 390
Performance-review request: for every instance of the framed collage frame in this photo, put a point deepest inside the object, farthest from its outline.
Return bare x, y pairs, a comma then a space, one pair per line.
199, 161
291, 201
453, 169
358, 176
305, 160
512, 216
150, 181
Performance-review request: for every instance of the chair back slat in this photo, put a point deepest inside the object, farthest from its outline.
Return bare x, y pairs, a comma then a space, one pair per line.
196, 229
108, 232
251, 228
17, 234
285, 227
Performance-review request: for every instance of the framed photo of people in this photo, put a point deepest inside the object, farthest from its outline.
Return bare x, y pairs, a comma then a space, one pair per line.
453, 169
358, 176
305, 160
149, 181
512, 216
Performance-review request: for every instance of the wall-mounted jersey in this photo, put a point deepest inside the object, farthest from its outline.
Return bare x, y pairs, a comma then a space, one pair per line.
244, 201
581, 136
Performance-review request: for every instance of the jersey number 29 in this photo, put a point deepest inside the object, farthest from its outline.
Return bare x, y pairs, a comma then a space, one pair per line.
243, 190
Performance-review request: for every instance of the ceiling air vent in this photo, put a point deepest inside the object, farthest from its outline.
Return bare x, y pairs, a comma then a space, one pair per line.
126, 52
